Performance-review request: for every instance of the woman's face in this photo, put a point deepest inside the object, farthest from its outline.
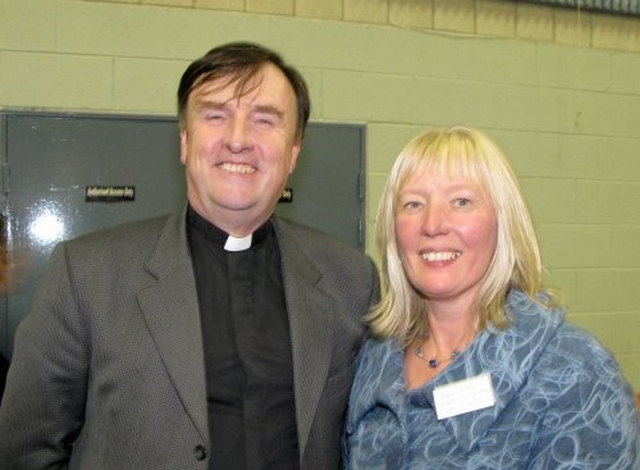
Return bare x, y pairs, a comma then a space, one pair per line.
446, 231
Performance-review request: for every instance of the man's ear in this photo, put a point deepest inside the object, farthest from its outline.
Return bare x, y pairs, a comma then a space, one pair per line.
184, 145
295, 152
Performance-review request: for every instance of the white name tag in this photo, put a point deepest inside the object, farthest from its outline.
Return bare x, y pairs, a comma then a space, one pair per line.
464, 396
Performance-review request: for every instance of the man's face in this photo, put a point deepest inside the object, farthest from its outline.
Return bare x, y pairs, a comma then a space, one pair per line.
239, 150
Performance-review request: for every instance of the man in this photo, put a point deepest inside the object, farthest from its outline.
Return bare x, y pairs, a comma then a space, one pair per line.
218, 338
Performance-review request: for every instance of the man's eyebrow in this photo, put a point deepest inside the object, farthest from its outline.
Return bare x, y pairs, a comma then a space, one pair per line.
269, 109
207, 104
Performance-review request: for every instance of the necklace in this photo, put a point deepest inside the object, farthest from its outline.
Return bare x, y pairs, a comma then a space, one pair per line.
433, 363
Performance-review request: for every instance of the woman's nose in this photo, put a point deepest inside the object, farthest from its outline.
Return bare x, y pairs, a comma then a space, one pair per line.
434, 222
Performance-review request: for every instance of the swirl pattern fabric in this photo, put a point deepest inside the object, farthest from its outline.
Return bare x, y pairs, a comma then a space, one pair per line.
561, 403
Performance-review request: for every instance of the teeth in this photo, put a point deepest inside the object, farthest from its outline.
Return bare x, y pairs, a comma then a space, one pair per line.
237, 168
440, 255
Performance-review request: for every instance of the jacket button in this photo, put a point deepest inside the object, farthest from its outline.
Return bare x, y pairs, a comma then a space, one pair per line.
200, 452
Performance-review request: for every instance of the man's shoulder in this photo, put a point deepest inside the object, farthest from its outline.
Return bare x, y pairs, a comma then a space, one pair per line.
126, 230
327, 253
315, 241
128, 239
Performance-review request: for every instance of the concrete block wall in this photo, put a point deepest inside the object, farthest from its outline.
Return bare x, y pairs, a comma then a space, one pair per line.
558, 89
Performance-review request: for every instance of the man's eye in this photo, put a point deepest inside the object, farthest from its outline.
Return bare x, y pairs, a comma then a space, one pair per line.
214, 116
264, 120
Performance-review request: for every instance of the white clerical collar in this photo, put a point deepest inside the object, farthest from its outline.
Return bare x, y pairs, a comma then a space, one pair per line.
238, 244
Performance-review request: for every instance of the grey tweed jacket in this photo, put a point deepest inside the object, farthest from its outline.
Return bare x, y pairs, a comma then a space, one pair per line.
108, 368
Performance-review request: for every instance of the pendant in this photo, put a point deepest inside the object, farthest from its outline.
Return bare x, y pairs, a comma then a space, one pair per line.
433, 363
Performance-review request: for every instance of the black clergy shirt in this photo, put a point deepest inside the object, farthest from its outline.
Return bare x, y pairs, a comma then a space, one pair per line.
247, 349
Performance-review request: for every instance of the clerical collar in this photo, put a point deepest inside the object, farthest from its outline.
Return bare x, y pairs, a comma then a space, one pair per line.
238, 244
222, 239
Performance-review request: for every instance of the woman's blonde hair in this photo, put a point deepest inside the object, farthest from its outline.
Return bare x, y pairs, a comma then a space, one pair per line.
462, 153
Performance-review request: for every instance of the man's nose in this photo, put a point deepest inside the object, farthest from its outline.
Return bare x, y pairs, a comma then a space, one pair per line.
237, 137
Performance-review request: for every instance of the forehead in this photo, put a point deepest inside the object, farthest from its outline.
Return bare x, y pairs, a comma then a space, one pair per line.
435, 181
268, 85
442, 166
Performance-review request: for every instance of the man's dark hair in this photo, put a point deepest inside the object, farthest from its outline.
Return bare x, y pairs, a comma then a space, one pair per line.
240, 62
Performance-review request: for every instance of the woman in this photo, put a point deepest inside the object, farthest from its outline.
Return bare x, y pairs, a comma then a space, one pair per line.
471, 364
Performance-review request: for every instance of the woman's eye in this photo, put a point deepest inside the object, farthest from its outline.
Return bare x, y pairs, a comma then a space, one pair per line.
411, 205
462, 202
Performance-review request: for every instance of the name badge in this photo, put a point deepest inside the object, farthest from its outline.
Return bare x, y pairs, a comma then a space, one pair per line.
464, 396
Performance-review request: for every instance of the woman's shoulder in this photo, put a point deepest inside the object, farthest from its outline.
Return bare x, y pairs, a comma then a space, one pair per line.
378, 378
585, 350
545, 328
546, 346
575, 369
379, 360
379, 350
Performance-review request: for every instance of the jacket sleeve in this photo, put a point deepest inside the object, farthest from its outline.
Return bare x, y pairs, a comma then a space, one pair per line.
43, 406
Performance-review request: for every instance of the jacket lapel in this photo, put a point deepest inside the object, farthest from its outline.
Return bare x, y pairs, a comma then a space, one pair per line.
310, 324
170, 308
